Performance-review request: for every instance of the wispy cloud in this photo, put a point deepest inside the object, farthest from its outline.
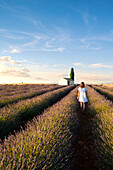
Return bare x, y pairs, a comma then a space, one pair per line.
100, 65
60, 65
37, 23
4, 4
97, 65
40, 66
89, 45
54, 45
85, 17
35, 40
94, 78
44, 42
78, 64
60, 49
47, 45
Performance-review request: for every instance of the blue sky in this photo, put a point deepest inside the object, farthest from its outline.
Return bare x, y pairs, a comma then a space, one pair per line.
40, 40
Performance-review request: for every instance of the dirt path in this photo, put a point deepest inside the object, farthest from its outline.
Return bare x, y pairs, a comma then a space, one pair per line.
84, 146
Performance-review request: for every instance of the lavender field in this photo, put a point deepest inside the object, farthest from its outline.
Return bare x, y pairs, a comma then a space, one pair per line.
39, 130
108, 92
21, 92
13, 115
46, 141
102, 127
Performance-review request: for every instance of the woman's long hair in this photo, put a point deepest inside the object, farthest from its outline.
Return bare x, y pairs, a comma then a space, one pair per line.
82, 85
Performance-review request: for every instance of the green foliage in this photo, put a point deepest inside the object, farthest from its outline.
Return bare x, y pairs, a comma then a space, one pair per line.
72, 74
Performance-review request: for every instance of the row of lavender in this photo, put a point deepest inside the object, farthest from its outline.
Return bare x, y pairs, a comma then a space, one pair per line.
47, 141
110, 89
12, 116
107, 92
21, 95
102, 126
19, 87
106, 86
9, 89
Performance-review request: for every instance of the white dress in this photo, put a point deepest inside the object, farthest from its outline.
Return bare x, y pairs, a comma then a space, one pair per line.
82, 96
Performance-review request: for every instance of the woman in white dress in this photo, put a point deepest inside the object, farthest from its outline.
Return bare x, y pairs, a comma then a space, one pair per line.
82, 95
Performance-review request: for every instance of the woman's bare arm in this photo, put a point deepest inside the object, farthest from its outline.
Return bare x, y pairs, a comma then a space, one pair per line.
78, 94
86, 93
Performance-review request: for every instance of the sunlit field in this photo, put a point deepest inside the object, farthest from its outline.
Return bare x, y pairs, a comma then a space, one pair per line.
39, 125
101, 109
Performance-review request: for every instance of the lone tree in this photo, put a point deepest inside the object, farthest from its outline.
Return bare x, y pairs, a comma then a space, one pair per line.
72, 74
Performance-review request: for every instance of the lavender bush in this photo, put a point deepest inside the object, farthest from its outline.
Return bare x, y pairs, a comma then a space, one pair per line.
12, 117
16, 96
9, 88
19, 87
46, 142
5, 93
106, 87
14, 89
107, 92
102, 110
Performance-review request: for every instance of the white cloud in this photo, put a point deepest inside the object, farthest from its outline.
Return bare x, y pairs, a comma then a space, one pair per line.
61, 49
7, 59
100, 65
15, 51
60, 65
11, 68
55, 65
78, 64
13, 71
